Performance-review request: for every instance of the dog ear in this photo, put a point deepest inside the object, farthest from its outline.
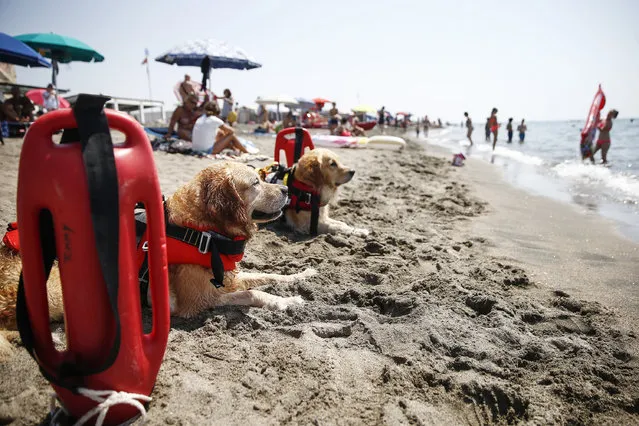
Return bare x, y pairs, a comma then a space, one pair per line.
221, 199
311, 170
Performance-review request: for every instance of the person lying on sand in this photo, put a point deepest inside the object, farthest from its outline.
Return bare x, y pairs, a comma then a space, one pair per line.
211, 135
185, 117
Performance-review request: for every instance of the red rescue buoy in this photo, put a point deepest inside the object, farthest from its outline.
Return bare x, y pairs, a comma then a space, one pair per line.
69, 209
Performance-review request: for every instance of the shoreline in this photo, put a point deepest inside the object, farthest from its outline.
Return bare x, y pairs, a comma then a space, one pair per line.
536, 176
562, 246
421, 321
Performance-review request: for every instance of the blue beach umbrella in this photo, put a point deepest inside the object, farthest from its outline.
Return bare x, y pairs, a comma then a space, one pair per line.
207, 54
13, 51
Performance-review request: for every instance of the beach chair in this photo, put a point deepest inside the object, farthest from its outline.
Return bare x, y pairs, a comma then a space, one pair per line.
293, 141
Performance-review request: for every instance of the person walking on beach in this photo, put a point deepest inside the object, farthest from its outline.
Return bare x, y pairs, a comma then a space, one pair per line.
494, 125
426, 126
487, 128
522, 131
603, 143
469, 128
417, 128
380, 119
333, 120
509, 128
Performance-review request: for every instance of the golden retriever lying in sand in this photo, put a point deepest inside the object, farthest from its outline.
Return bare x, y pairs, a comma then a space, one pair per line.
228, 198
320, 172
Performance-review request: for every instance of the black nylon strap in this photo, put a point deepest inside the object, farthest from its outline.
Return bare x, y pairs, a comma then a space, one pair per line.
217, 266
223, 245
299, 139
218, 244
102, 181
315, 206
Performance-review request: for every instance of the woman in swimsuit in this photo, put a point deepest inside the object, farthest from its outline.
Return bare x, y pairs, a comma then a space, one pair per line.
603, 142
494, 125
185, 116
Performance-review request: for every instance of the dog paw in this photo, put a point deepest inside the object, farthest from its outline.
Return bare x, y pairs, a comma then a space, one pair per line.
283, 303
360, 232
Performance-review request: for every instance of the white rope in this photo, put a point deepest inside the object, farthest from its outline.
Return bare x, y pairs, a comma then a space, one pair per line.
109, 398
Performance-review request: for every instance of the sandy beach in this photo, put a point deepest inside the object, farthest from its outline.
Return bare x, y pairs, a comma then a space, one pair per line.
470, 302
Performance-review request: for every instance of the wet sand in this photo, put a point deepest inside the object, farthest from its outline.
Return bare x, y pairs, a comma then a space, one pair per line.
439, 316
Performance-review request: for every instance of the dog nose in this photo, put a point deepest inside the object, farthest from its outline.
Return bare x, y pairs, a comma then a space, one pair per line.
351, 173
284, 189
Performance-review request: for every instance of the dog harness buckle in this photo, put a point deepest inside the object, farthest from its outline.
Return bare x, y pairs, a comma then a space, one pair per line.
205, 241
145, 246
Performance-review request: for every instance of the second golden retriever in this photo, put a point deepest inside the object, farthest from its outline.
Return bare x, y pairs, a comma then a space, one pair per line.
321, 170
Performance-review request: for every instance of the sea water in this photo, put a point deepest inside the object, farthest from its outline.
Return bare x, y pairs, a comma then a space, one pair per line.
548, 163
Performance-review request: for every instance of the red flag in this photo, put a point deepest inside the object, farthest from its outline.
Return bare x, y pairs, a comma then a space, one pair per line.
146, 60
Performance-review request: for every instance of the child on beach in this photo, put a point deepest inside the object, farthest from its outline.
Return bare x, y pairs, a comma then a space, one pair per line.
333, 120
469, 127
522, 131
227, 105
509, 128
494, 125
603, 142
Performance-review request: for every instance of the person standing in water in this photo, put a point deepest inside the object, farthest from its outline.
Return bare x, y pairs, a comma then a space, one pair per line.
509, 128
494, 125
417, 128
469, 128
487, 128
522, 131
603, 143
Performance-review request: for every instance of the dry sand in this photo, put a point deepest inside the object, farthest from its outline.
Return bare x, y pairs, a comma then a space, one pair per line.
425, 321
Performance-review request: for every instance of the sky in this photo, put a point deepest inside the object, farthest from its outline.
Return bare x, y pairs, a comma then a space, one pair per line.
539, 60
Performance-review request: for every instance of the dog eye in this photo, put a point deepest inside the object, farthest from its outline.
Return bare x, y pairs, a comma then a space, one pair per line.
256, 182
333, 163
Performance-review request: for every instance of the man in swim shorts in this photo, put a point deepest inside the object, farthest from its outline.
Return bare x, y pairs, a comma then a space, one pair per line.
603, 142
522, 131
333, 120
469, 128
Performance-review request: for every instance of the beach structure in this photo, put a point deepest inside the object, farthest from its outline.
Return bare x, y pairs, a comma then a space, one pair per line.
146, 111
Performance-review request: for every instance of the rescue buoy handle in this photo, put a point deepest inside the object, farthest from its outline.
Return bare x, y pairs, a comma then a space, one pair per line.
61, 119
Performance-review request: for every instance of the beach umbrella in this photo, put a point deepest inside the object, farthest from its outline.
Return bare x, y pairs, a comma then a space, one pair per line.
363, 109
13, 51
303, 103
277, 100
207, 54
36, 97
61, 49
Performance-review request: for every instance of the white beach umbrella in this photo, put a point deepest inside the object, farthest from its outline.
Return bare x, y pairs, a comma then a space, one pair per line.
276, 100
